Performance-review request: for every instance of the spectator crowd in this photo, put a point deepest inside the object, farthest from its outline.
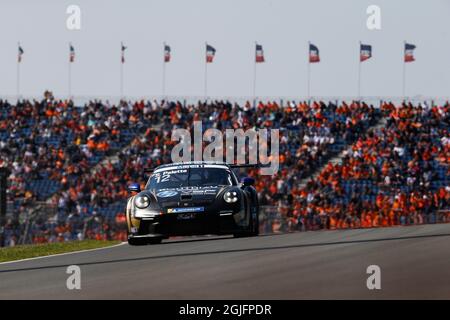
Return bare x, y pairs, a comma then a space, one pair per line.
79, 160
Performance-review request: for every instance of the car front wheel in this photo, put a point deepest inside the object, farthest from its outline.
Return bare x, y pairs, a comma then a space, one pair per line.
253, 228
137, 241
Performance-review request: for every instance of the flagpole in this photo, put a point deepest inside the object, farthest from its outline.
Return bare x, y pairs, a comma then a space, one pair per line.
18, 73
70, 79
18, 80
254, 77
309, 71
359, 71
206, 72
164, 72
121, 80
404, 73
121, 70
70, 72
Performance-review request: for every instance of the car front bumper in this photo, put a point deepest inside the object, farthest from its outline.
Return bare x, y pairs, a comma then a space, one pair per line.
185, 224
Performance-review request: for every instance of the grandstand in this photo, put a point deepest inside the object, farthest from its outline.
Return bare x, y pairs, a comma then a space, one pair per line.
342, 164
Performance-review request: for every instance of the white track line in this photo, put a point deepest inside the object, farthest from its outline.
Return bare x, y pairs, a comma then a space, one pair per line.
63, 254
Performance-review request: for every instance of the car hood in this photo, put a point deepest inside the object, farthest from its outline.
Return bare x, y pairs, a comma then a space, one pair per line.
192, 195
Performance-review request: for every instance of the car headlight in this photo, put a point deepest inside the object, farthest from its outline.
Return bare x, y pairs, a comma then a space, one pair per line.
142, 201
231, 196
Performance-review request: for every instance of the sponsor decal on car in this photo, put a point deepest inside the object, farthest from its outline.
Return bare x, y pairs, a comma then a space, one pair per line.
194, 190
200, 191
188, 209
166, 194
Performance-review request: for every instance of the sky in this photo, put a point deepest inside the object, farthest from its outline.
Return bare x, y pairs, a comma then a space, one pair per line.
283, 27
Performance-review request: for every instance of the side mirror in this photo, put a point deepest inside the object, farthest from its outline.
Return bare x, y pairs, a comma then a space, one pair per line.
247, 181
134, 187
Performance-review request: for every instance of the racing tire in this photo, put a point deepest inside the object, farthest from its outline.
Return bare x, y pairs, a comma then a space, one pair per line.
137, 241
154, 240
255, 225
253, 230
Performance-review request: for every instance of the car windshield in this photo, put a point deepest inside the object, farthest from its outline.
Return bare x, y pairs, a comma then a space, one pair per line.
199, 177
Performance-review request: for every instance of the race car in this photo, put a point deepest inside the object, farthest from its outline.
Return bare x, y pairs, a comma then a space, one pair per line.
192, 198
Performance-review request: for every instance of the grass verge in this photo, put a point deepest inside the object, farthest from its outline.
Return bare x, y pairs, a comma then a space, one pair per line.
39, 250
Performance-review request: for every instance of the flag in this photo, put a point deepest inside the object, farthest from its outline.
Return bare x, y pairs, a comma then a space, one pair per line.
71, 53
365, 52
259, 55
313, 54
19, 55
210, 53
123, 48
409, 52
166, 53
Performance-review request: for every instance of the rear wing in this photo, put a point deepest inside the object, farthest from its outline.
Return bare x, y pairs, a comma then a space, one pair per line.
254, 166
230, 165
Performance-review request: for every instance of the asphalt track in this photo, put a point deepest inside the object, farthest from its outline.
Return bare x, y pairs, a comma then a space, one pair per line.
414, 262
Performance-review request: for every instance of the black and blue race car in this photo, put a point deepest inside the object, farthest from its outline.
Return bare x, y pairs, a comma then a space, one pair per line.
192, 198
